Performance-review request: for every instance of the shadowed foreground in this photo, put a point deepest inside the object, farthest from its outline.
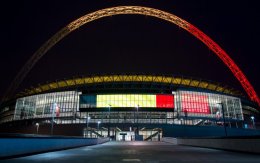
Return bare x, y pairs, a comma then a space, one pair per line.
138, 152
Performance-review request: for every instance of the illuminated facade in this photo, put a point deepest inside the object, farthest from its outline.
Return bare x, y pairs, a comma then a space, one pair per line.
196, 104
128, 101
41, 106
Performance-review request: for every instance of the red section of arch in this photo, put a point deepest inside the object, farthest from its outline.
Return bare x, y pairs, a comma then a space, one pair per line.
227, 60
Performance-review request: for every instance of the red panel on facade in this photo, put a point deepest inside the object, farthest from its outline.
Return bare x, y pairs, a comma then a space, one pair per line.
164, 101
192, 103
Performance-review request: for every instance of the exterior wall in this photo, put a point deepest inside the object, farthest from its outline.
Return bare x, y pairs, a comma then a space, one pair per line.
190, 107
32, 145
63, 104
7, 114
202, 104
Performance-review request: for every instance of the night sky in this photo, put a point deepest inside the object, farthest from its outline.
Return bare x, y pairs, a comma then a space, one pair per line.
129, 43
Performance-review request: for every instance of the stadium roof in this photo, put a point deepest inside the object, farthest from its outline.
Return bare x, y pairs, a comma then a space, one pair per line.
104, 79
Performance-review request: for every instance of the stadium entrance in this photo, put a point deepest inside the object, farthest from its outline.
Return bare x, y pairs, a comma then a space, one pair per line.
144, 134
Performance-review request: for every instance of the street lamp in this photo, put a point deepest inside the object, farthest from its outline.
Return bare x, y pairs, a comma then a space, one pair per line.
88, 118
253, 120
54, 105
109, 106
137, 107
37, 127
98, 124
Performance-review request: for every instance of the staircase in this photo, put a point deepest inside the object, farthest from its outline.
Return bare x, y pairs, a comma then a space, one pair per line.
96, 133
199, 122
151, 136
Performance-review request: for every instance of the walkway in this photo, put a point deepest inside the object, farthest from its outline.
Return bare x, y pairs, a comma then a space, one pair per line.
151, 152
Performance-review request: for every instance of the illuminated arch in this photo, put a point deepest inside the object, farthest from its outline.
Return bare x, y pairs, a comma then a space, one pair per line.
141, 11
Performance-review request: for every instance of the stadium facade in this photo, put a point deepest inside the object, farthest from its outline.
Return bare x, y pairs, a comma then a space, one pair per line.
128, 107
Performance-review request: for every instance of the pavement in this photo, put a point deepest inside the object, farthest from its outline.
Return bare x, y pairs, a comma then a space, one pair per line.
138, 151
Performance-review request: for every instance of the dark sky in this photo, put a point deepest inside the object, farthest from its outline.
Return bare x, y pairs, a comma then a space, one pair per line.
129, 43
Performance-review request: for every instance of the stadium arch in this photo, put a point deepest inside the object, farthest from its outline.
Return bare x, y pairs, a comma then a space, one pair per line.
139, 10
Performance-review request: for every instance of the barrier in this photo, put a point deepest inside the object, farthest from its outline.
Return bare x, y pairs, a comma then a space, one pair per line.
205, 131
232, 144
18, 146
170, 140
240, 144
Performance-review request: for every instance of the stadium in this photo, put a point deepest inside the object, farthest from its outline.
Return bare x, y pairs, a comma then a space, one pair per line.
130, 106
125, 106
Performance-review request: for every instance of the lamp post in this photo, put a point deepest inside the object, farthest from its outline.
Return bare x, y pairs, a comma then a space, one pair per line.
53, 110
137, 108
98, 124
222, 108
253, 120
37, 127
88, 118
109, 106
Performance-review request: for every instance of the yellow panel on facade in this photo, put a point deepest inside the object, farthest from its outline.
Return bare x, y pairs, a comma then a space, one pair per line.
151, 101
124, 103
126, 100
